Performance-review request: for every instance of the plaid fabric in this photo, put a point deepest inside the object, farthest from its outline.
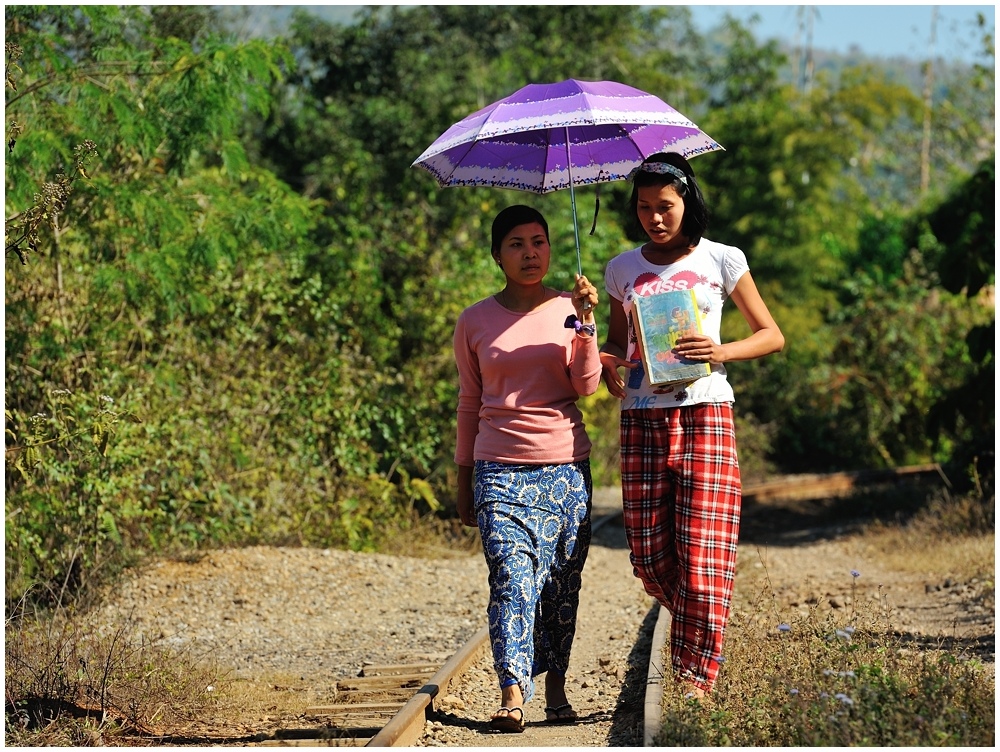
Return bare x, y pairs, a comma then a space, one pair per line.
681, 496
536, 529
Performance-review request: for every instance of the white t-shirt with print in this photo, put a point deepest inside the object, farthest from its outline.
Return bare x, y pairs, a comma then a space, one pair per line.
712, 271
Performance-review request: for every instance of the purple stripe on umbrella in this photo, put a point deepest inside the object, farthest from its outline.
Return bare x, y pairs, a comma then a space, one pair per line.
536, 161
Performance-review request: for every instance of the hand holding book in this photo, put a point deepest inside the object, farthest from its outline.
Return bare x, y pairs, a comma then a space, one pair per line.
699, 347
664, 321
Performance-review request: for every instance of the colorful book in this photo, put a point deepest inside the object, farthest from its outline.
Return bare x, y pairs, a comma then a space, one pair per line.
660, 320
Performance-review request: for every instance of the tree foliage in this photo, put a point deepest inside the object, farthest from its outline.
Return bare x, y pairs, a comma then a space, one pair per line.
230, 300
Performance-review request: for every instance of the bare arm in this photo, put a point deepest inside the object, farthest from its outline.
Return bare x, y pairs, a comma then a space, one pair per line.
765, 338
465, 505
615, 349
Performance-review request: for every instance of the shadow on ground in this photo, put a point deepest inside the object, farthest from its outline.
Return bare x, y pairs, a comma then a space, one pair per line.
791, 522
627, 723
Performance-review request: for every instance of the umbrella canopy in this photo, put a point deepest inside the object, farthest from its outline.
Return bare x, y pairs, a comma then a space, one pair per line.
547, 137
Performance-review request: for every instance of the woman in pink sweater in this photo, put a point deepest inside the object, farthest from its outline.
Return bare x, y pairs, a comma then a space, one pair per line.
524, 357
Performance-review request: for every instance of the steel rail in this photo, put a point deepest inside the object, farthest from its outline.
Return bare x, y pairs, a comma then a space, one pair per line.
652, 716
408, 724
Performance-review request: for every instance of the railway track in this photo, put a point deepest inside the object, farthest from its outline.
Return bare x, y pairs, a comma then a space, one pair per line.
389, 705
386, 706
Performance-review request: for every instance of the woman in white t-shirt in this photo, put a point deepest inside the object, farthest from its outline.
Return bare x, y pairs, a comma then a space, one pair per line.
681, 485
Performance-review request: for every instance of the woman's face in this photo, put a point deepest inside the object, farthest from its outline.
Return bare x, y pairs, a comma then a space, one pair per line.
660, 210
524, 254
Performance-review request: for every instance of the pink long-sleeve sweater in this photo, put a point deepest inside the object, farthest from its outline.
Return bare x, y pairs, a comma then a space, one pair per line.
520, 375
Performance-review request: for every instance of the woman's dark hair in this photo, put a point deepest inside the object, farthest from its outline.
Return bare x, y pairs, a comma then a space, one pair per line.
510, 218
695, 221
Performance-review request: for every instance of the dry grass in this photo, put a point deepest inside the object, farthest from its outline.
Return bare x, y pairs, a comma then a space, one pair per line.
432, 538
69, 681
957, 538
818, 682
833, 678
246, 709
911, 551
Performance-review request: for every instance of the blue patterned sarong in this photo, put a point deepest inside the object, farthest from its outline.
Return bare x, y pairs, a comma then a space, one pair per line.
535, 524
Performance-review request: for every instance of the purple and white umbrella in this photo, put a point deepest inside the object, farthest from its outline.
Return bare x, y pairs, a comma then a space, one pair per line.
547, 137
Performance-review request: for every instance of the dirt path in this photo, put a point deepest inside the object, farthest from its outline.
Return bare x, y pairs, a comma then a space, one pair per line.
811, 563
292, 621
807, 565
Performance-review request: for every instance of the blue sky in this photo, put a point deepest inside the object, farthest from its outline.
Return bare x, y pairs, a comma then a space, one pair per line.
884, 30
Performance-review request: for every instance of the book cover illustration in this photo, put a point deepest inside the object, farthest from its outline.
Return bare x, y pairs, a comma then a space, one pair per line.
660, 320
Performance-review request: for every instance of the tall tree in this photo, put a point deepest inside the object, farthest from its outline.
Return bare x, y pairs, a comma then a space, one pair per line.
126, 276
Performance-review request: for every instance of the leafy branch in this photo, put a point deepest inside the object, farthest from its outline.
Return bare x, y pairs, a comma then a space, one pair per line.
104, 70
43, 430
21, 230
14, 53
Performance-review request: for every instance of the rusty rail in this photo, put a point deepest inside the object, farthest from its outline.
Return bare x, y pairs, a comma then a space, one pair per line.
407, 725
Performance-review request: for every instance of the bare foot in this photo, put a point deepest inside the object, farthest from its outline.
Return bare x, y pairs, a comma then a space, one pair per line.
510, 698
557, 706
510, 716
555, 689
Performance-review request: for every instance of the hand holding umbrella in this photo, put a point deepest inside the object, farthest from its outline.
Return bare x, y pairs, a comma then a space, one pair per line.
584, 300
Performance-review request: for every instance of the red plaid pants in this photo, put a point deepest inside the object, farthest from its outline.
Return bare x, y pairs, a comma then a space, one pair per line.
681, 495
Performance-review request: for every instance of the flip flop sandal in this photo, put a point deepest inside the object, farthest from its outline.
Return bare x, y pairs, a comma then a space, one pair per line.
561, 714
507, 723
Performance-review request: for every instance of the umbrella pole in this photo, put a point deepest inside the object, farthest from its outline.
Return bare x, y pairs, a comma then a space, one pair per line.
572, 200
576, 232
